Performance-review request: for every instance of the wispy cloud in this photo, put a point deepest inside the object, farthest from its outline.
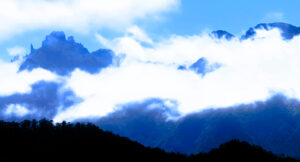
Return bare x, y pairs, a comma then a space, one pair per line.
77, 15
16, 51
274, 17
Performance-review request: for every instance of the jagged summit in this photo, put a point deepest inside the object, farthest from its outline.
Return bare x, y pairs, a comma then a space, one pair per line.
57, 37
288, 31
222, 34
62, 56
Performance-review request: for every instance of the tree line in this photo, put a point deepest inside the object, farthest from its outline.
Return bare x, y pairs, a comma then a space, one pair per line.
32, 139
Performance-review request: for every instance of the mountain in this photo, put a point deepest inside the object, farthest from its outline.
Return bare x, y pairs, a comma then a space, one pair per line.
201, 66
44, 100
62, 56
219, 34
272, 124
235, 150
36, 139
287, 31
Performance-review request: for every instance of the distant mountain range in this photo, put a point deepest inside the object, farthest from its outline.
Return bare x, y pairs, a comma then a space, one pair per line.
287, 31
273, 124
62, 56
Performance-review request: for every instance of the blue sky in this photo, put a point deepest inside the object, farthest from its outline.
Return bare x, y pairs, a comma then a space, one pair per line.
231, 15
187, 17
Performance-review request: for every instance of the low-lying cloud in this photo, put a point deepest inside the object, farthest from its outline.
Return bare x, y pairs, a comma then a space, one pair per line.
14, 81
250, 70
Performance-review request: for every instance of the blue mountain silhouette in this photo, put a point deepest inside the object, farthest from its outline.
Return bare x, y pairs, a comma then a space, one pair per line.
287, 31
62, 56
222, 34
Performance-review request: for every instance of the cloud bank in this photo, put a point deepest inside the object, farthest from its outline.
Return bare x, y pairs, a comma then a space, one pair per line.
80, 16
13, 81
249, 70
16, 51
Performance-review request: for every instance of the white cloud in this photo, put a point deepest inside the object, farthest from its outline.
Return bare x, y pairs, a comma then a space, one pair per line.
78, 15
102, 40
16, 51
251, 70
273, 16
13, 81
139, 34
16, 109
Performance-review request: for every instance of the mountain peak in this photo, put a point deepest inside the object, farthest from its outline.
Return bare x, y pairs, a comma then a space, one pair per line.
288, 31
63, 56
222, 34
54, 37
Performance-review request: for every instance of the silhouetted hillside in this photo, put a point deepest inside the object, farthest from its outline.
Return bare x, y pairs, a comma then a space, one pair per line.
42, 139
272, 124
236, 150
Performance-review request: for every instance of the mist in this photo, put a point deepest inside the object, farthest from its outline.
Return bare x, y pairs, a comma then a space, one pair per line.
248, 71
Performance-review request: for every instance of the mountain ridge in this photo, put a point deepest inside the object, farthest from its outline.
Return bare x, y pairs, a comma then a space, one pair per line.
288, 31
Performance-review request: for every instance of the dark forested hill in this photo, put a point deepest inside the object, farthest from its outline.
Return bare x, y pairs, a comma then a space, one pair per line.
45, 140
